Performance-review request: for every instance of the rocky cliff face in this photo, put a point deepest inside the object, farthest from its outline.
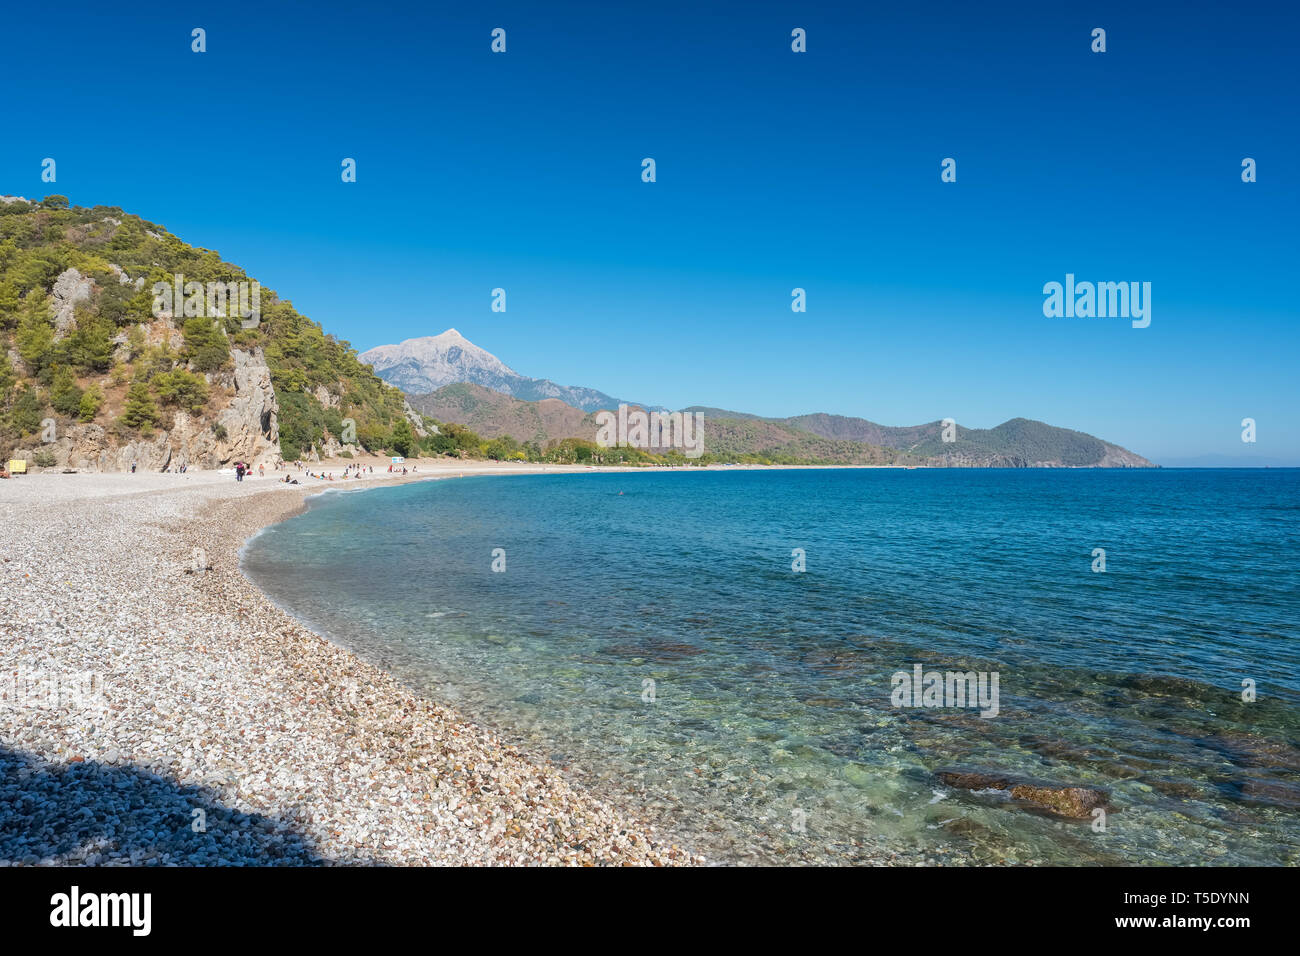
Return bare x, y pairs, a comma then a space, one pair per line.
417, 423
247, 430
70, 288
252, 432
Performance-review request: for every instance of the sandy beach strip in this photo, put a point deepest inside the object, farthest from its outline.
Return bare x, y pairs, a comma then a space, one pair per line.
152, 712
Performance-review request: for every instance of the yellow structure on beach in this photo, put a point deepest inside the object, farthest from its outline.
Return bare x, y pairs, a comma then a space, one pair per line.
17, 466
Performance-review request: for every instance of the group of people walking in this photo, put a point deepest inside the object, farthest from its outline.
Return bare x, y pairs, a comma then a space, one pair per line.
243, 469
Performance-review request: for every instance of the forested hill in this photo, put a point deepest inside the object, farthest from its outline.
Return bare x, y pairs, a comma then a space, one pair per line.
1019, 442
94, 375
808, 439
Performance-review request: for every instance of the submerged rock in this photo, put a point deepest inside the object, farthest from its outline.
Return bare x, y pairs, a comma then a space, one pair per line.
973, 780
656, 651
1073, 802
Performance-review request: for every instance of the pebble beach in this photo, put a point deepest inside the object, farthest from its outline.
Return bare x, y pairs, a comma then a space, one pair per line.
157, 709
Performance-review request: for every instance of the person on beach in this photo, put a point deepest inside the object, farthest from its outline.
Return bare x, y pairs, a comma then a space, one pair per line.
261, 470
133, 468
239, 471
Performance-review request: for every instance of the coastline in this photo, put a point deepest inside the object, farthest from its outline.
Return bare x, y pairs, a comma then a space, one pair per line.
290, 748
218, 729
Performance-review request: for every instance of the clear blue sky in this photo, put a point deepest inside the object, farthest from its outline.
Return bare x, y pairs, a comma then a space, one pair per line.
775, 170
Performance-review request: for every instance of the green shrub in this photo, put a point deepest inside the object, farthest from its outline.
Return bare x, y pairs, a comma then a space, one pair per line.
92, 399
35, 336
135, 341
90, 346
65, 394
27, 411
402, 440
204, 344
182, 389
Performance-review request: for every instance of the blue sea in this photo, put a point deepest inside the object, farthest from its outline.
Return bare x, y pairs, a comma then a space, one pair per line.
650, 634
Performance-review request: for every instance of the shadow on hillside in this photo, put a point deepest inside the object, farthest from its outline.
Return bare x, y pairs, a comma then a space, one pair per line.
56, 813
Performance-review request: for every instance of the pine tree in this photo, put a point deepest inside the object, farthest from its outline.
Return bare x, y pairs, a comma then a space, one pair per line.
88, 407
402, 439
140, 411
65, 394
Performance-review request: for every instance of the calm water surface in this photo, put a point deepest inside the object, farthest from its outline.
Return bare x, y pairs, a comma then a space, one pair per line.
772, 688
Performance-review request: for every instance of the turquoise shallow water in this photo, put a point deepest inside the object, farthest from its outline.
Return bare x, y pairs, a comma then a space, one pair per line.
772, 688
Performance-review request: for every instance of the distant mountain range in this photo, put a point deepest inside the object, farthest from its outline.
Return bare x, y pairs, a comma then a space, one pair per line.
423, 365
452, 380
1018, 443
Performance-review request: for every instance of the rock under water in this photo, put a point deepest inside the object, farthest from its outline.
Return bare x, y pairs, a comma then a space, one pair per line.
1073, 802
